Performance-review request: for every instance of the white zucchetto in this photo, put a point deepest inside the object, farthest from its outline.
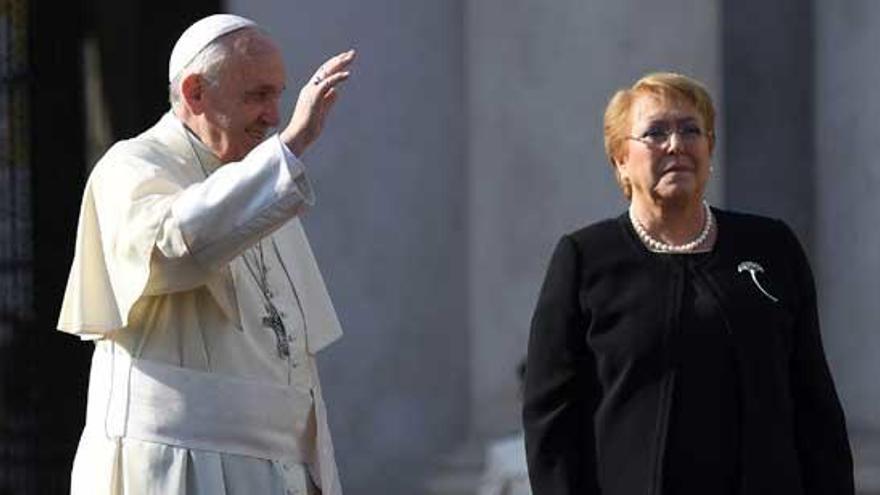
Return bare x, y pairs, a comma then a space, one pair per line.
200, 35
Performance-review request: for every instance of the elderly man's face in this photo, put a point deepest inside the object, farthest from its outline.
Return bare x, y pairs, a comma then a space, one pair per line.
668, 155
242, 108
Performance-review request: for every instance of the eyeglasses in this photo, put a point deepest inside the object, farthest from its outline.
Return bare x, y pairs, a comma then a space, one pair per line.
659, 136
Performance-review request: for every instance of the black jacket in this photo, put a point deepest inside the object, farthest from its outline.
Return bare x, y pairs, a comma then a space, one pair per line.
599, 377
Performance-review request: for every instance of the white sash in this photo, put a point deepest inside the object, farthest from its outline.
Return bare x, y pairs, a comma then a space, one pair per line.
155, 402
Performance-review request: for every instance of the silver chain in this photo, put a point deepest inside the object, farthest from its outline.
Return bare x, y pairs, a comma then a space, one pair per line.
274, 319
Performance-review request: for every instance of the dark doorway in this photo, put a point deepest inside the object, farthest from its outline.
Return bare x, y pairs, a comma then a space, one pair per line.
46, 69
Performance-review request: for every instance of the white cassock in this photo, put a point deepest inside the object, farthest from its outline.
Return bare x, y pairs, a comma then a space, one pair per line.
192, 391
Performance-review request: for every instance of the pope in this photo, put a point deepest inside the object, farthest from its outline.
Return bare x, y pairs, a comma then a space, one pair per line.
193, 276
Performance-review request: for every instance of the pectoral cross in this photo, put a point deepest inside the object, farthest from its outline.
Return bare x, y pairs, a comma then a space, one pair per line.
273, 321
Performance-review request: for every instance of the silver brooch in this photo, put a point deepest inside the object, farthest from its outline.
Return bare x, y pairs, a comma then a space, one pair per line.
754, 269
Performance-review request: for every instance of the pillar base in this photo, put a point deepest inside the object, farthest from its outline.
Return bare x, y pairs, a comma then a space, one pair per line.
866, 457
459, 472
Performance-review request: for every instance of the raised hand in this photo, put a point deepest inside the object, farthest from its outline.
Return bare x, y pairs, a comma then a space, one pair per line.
315, 100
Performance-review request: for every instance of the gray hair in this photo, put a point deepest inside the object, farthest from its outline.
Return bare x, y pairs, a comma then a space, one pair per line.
209, 62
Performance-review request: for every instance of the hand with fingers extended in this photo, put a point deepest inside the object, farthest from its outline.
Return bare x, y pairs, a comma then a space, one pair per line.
315, 100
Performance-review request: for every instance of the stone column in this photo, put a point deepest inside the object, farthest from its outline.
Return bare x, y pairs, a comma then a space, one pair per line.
768, 108
388, 229
539, 77
847, 240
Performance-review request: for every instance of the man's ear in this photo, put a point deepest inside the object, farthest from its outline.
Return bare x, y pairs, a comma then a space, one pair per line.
192, 90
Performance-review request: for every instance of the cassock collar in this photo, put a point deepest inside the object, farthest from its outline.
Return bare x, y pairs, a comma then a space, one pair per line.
208, 159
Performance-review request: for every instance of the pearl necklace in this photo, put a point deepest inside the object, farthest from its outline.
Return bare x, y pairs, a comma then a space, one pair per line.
658, 245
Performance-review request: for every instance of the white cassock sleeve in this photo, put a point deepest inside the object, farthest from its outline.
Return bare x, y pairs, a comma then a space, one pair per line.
151, 224
213, 221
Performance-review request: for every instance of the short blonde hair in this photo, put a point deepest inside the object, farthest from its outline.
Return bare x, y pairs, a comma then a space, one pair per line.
664, 85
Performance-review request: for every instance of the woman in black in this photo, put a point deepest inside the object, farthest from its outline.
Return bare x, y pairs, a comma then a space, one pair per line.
675, 349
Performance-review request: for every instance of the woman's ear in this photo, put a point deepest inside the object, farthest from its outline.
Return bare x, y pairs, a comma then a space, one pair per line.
622, 175
619, 165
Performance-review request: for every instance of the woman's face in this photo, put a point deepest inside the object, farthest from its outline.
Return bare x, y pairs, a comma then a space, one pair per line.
667, 155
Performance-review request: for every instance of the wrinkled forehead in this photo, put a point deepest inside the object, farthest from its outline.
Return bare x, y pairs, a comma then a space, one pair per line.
252, 42
251, 56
